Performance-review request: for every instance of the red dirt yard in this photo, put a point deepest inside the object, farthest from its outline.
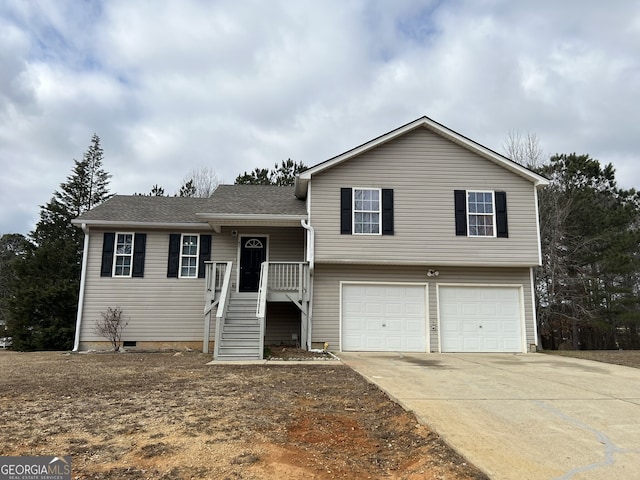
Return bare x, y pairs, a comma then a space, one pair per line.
171, 416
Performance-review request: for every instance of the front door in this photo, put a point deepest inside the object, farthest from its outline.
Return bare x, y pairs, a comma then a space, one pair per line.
253, 251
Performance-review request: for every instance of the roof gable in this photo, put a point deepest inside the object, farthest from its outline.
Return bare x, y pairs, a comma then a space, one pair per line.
302, 180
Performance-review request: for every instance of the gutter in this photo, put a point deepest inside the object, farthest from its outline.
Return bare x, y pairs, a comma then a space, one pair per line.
83, 276
311, 256
136, 224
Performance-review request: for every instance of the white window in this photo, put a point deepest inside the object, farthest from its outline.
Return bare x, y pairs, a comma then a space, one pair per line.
366, 211
123, 257
189, 256
481, 214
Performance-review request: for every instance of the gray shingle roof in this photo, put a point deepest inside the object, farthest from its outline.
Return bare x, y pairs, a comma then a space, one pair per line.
256, 199
227, 199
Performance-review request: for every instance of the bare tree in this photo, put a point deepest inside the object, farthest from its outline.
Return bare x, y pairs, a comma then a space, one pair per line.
111, 325
524, 148
199, 182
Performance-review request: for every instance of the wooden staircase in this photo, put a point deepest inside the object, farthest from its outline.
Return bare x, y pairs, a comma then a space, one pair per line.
240, 329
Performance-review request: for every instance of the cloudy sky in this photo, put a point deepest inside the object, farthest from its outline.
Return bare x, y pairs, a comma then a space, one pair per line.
172, 86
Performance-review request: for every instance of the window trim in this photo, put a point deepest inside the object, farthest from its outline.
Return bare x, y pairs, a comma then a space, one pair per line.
116, 254
353, 211
493, 214
196, 256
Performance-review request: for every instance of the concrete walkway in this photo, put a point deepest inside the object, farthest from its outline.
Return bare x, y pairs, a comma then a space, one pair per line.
525, 416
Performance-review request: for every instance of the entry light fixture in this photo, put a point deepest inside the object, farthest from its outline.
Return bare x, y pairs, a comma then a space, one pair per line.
432, 273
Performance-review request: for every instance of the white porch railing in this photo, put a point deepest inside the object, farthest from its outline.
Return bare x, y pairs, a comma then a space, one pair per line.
261, 310
287, 281
217, 283
288, 277
214, 275
221, 313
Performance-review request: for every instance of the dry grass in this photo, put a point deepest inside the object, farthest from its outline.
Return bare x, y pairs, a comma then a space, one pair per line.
628, 358
165, 416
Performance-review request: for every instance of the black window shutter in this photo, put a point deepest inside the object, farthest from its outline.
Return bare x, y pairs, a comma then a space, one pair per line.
139, 247
205, 253
387, 211
174, 255
460, 201
107, 254
345, 211
501, 215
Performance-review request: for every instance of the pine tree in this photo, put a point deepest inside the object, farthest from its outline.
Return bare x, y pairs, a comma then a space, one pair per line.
85, 188
44, 290
188, 189
13, 247
156, 191
283, 174
587, 285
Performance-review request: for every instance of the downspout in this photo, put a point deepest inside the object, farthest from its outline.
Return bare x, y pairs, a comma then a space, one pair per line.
311, 238
310, 243
536, 333
83, 275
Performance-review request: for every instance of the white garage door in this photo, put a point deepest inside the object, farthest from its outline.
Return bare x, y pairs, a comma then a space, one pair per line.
480, 319
383, 318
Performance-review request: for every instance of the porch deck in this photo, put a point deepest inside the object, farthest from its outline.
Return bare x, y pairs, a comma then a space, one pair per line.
279, 282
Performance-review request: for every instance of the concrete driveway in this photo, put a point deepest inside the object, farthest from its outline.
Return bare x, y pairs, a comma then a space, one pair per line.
524, 416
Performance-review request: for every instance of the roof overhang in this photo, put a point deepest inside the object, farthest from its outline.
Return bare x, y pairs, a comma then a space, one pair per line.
146, 225
302, 180
217, 221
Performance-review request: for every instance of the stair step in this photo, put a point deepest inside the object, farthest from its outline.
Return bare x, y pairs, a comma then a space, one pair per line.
239, 343
239, 352
238, 358
242, 322
233, 333
242, 314
240, 331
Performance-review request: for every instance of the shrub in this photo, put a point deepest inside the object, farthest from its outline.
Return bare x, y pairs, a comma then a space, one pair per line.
111, 326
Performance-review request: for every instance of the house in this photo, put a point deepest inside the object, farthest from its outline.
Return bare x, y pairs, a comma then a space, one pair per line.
420, 240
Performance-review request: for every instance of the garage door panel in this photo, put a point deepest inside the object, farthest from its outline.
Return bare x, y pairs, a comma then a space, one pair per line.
467, 327
511, 345
394, 318
415, 327
492, 344
414, 344
351, 307
470, 345
393, 327
373, 308
393, 343
480, 319
491, 327
392, 309
373, 344
414, 309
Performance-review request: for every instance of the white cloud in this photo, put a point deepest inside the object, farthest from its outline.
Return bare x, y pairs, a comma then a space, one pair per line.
173, 85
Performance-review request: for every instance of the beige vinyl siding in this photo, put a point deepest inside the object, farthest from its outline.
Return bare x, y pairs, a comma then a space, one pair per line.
157, 308
423, 169
327, 278
167, 309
